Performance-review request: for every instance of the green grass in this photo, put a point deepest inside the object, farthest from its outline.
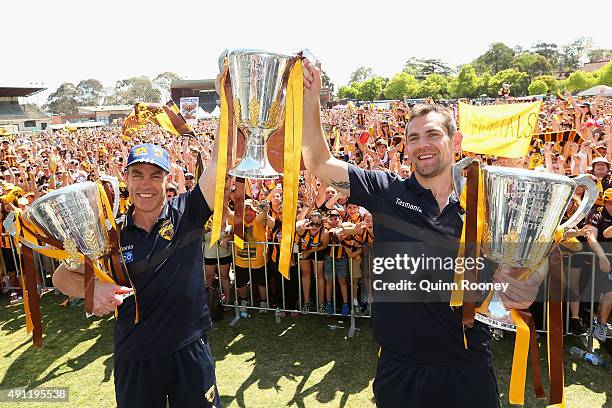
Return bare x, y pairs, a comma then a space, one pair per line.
299, 363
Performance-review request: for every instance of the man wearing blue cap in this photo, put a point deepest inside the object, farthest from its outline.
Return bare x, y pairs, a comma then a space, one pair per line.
165, 357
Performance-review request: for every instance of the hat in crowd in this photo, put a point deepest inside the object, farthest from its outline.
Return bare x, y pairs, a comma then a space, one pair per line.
189, 175
172, 186
380, 142
600, 160
4, 140
149, 153
607, 195
332, 212
252, 204
585, 104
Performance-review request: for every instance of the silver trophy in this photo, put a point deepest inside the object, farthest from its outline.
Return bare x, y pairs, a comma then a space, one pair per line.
72, 215
259, 80
524, 209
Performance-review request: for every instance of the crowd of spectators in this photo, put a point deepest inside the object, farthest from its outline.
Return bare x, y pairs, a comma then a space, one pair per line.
333, 237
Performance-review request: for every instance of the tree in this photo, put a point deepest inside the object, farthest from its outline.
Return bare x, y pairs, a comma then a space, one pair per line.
162, 83
402, 84
467, 83
549, 51
599, 55
136, 89
483, 86
533, 64
436, 86
537, 87
604, 75
517, 80
497, 58
350, 91
579, 81
361, 74
371, 89
421, 68
89, 92
549, 80
64, 100
574, 54
327, 83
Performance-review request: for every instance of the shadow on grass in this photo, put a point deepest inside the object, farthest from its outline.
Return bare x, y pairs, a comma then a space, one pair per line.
64, 330
293, 350
595, 379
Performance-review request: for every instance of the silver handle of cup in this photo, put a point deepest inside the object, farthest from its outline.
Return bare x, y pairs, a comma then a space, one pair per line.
457, 174
590, 195
9, 226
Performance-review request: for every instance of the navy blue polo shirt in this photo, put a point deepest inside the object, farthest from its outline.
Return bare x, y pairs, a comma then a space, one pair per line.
407, 215
165, 266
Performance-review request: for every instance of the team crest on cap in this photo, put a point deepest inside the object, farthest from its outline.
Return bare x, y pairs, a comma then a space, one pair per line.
158, 151
166, 231
141, 151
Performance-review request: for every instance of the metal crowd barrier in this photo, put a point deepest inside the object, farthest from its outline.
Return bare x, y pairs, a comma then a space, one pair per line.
366, 277
39, 260
366, 288
283, 307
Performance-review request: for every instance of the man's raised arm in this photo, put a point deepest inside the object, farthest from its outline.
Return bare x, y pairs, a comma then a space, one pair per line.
315, 151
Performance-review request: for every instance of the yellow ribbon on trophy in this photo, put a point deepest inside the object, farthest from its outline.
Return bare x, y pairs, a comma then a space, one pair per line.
222, 147
294, 112
456, 299
292, 155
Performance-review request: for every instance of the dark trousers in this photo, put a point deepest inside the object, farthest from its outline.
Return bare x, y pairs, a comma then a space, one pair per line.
184, 379
399, 385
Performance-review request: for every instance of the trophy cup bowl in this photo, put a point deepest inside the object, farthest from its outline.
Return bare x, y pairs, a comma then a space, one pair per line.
258, 89
72, 215
524, 209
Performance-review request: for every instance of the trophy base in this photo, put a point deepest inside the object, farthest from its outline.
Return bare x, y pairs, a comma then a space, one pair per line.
494, 314
496, 324
254, 170
254, 164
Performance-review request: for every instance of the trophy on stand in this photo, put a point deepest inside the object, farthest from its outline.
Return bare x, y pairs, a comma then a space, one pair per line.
514, 216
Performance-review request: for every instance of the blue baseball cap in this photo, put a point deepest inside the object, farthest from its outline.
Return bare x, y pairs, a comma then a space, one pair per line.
149, 153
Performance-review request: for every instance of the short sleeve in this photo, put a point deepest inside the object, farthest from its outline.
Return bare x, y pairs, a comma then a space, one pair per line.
366, 186
194, 205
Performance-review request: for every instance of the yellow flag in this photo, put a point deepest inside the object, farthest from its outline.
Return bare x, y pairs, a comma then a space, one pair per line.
498, 130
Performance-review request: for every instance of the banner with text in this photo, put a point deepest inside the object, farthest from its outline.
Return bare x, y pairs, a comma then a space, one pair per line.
498, 130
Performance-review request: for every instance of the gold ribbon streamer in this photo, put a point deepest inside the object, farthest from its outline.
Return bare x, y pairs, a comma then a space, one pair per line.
518, 375
456, 298
294, 111
221, 163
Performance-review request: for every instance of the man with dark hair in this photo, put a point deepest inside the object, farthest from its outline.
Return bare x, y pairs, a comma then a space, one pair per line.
165, 357
424, 361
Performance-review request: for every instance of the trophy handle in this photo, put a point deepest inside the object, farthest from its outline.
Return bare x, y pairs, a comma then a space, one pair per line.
9, 226
590, 195
457, 174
